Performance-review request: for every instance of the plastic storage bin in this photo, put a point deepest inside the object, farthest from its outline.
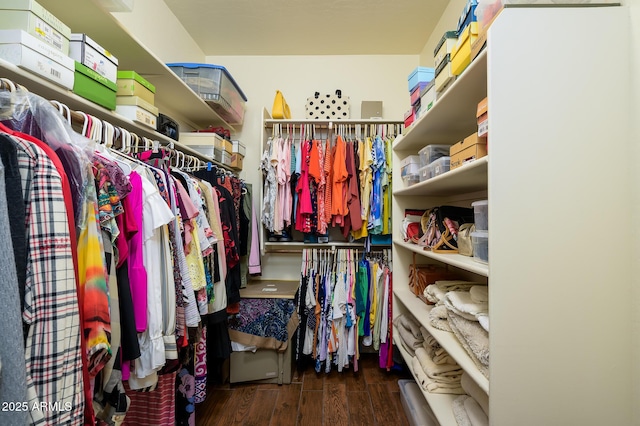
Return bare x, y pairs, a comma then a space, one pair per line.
415, 406
430, 153
214, 84
481, 215
410, 169
411, 179
480, 241
439, 166
425, 173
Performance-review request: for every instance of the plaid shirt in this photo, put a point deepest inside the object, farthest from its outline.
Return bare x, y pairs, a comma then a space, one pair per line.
53, 353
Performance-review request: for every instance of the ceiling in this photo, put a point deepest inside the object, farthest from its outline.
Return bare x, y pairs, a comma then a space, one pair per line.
308, 27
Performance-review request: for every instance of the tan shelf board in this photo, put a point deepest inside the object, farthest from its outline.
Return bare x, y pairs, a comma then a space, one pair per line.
463, 262
470, 177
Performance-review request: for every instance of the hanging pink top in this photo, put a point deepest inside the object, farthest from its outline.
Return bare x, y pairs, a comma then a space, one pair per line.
137, 271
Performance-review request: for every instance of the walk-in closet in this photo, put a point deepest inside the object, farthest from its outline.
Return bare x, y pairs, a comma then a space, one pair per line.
299, 213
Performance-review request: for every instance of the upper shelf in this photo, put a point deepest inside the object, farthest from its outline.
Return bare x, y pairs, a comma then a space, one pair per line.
172, 93
326, 122
453, 116
467, 178
50, 91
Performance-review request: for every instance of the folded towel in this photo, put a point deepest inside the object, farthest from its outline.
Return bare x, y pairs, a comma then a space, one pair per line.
418, 372
477, 417
433, 293
409, 339
439, 319
446, 373
459, 412
442, 357
479, 293
455, 285
484, 321
474, 391
431, 386
460, 302
474, 339
408, 322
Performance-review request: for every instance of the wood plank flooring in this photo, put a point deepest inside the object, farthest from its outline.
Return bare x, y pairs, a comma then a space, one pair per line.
370, 397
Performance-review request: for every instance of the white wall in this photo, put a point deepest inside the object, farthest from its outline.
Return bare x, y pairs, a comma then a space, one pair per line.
634, 257
448, 22
361, 77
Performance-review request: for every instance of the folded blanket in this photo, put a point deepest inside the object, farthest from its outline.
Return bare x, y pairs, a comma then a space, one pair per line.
460, 302
474, 391
459, 412
439, 319
477, 417
474, 339
445, 373
410, 324
479, 293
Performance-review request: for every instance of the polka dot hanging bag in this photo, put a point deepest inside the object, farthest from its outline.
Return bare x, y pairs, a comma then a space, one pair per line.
328, 106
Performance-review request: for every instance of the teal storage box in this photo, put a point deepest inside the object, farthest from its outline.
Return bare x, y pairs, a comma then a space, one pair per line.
94, 87
420, 75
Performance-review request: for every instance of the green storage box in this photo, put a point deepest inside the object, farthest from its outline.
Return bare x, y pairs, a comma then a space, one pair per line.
130, 83
94, 87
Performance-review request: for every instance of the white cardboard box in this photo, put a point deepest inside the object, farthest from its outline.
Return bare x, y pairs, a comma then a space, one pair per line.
137, 114
24, 50
89, 53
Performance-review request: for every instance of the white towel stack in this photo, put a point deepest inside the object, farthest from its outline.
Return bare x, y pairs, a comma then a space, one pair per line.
435, 370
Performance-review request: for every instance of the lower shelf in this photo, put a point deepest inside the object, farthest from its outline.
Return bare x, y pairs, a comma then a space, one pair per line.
463, 262
446, 339
441, 404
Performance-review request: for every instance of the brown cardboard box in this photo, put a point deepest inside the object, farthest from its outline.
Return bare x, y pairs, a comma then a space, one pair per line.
236, 161
482, 115
481, 41
471, 148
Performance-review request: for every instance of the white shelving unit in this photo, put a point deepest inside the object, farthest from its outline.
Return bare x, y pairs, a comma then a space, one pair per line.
553, 359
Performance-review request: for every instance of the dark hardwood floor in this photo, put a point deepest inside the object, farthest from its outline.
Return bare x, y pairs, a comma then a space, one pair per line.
369, 397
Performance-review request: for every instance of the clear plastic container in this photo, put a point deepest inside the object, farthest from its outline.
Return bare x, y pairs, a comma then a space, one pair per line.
411, 179
480, 241
481, 215
416, 408
424, 173
430, 153
439, 166
409, 169
214, 84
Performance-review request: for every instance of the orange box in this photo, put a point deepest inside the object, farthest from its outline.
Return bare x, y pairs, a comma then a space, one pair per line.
470, 149
482, 115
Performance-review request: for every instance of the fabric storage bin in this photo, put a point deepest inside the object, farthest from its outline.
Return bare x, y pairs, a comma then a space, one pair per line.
130, 83
420, 75
439, 166
30, 16
86, 51
481, 215
214, 85
94, 87
430, 153
415, 406
461, 53
444, 47
480, 241
36, 56
444, 76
